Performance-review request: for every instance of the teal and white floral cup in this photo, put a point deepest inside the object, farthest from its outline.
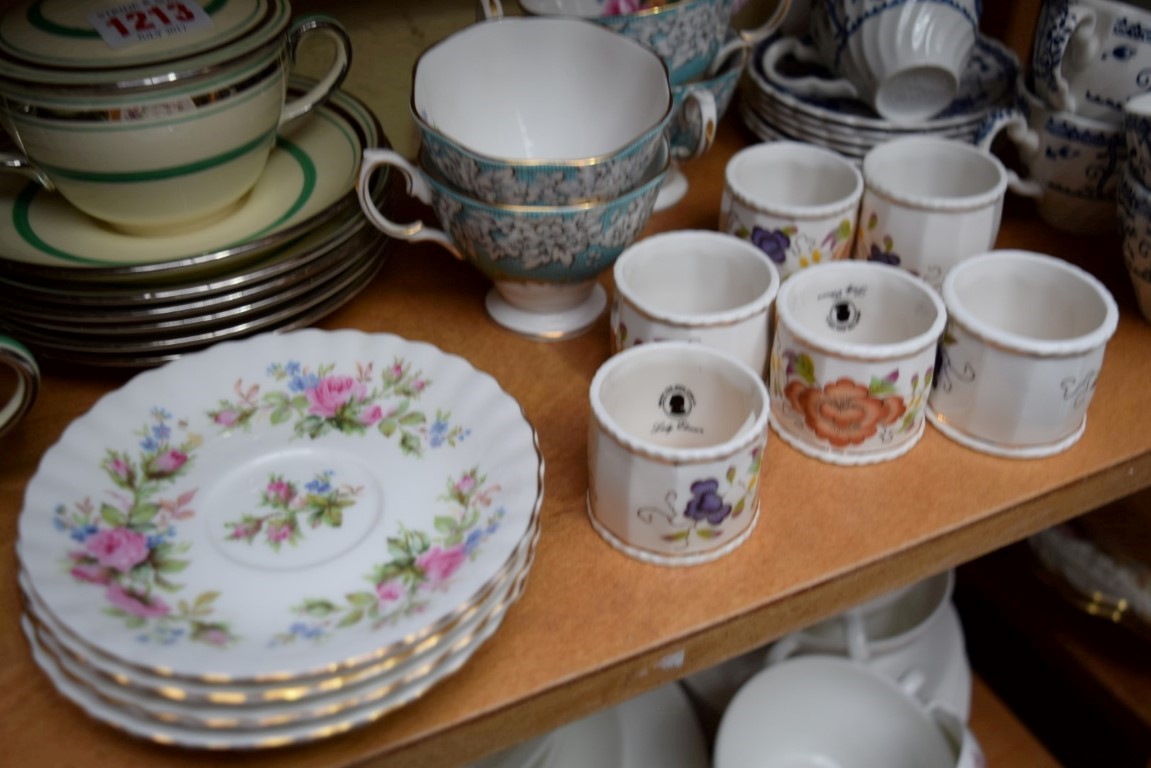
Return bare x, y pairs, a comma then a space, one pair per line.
675, 445
544, 260
16, 357
853, 361
796, 202
688, 35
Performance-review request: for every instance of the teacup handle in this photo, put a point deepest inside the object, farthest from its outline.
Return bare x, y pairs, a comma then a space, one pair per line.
417, 187
745, 38
322, 26
489, 9
702, 102
856, 632
808, 86
783, 649
1073, 51
10, 161
1015, 123
16, 356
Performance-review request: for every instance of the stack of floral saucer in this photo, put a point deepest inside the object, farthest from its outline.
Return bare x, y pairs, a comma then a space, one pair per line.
323, 527
775, 111
294, 249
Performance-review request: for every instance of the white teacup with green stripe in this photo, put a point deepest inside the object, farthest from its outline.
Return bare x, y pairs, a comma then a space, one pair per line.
154, 134
20, 396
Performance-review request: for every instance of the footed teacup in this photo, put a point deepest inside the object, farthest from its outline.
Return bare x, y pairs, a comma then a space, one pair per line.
543, 259
157, 123
540, 111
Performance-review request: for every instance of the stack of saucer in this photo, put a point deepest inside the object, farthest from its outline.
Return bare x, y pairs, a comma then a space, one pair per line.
318, 532
847, 125
294, 249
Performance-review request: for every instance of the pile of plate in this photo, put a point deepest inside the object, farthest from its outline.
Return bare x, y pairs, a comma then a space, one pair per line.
850, 127
278, 539
294, 249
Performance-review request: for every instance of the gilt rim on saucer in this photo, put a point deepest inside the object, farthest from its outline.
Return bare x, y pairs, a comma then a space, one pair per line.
274, 410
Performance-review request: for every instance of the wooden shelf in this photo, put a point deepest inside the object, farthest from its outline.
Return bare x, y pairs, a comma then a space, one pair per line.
595, 627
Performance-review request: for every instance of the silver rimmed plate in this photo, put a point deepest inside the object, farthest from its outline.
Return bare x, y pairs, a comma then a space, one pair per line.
309, 179
284, 506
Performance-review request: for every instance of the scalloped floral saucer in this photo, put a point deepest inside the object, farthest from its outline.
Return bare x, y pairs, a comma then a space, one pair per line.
344, 702
285, 506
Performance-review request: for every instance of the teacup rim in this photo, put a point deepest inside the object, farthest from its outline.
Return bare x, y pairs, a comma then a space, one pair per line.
533, 162
1019, 344
752, 433
862, 351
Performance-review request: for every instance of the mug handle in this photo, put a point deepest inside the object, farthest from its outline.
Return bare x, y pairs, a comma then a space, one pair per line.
323, 26
417, 187
1015, 123
702, 102
16, 356
807, 86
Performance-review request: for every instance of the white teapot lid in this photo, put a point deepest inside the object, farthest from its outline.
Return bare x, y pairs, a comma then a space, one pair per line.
117, 42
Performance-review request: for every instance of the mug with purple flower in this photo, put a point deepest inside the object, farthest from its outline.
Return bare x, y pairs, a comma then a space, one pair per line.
798, 203
677, 436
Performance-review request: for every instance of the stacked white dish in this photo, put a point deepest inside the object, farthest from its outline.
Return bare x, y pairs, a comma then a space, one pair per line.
293, 250
773, 111
657, 728
320, 530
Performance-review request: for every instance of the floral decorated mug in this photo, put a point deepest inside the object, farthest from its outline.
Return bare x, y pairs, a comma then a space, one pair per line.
797, 202
16, 356
675, 444
853, 361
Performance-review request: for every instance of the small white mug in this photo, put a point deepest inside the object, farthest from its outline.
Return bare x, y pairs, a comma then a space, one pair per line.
797, 202
852, 361
929, 203
1071, 163
16, 357
697, 286
675, 444
1024, 348
1090, 56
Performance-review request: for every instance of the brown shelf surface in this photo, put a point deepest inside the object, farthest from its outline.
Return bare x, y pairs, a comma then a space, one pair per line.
594, 627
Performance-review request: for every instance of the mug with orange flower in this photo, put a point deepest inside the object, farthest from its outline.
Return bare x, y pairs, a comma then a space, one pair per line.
853, 360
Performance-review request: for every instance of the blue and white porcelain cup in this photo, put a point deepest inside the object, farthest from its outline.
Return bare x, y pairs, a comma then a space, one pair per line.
688, 35
906, 77
1090, 56
543, 259
1071, 163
